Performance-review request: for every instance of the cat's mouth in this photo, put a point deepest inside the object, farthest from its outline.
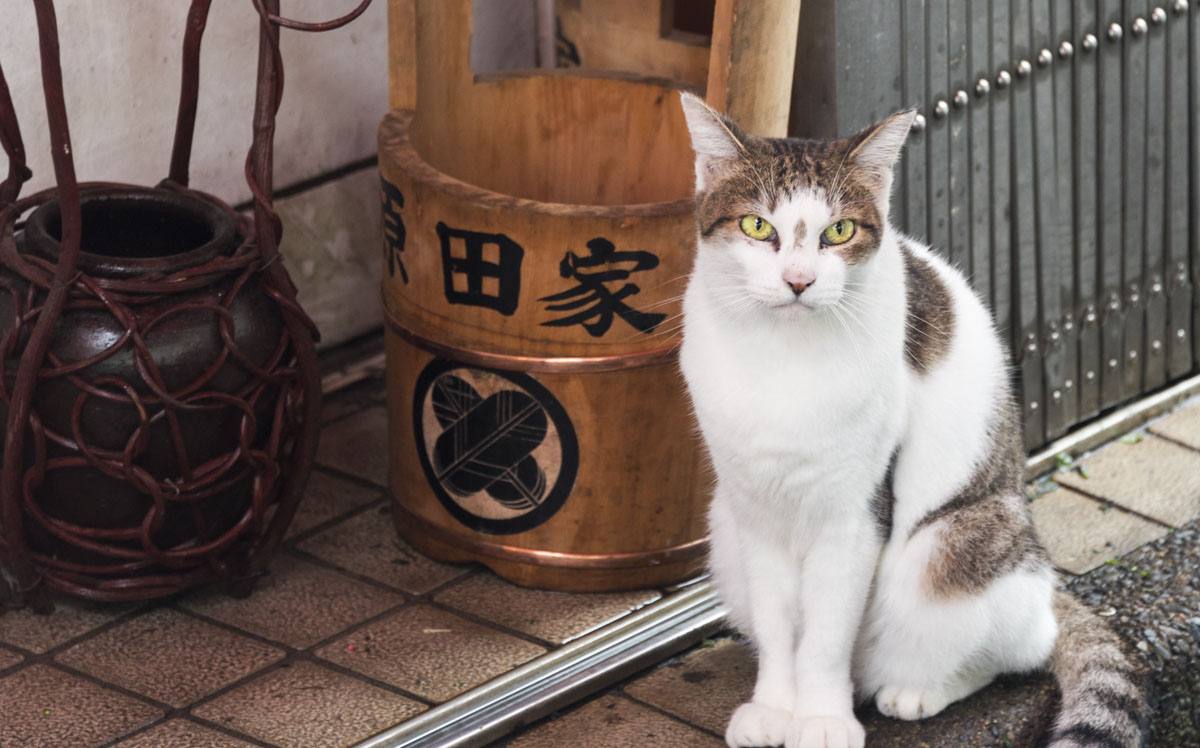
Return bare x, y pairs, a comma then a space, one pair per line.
804, 301
795, 307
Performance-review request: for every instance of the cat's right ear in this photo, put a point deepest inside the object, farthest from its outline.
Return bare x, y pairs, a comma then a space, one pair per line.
714, 139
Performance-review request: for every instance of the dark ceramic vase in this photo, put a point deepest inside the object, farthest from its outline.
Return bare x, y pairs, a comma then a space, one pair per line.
157, 403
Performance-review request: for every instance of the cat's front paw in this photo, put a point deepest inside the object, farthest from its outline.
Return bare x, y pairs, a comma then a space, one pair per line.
825, 732
757, 725
902, 702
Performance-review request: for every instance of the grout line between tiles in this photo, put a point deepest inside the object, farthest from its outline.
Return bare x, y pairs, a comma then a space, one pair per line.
620, 690
424, 701
1172, 440
555, 715
135, 612
179, 714
317, 529
97, 681
480, 620
134, 733
218, 727
1114, 505
346, 476
371, 403
299, 554
470, 573
307, 654
304, 555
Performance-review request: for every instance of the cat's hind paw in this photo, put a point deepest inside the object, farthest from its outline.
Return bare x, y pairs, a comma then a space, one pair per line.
902, 702
757, 725
826, 732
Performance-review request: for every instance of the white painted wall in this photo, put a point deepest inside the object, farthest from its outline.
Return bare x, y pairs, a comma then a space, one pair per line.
121, 72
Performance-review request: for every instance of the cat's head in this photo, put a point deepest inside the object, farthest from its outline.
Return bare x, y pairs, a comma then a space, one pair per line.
788, 227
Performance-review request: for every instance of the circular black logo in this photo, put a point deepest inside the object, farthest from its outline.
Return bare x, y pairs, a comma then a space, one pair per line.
496, 446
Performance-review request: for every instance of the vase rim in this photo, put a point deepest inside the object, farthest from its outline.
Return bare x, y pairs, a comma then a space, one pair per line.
207, 230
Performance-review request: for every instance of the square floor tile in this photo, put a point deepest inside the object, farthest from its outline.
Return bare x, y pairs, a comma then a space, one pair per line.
1182, 426
367, 544
8, 658
182, 733
303, 705
169, 656
1080, 533
1153, 477
70, 619
327, 497
352, 399
298, 603
553, 616
702, 687
429, 652
43, 706
613, 722
358, 445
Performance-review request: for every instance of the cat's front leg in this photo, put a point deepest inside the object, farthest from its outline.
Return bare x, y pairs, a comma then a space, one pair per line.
835, 583
758, 584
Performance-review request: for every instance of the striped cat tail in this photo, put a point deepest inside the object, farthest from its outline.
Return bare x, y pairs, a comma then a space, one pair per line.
1102, 701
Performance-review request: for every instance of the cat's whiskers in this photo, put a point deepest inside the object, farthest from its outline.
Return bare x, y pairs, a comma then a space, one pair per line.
664, 302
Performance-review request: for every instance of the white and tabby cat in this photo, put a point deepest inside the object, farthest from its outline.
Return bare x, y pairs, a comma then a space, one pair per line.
869, 529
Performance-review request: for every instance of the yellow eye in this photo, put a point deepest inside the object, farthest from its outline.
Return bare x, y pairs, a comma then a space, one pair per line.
756, 227
838, 232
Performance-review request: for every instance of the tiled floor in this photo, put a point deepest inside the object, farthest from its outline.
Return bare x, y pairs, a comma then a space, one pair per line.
352, 632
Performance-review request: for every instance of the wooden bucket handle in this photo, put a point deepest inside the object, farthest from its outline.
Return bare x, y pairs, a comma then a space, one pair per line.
745, 77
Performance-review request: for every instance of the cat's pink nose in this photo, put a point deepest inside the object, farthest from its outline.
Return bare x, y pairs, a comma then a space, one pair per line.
798, 280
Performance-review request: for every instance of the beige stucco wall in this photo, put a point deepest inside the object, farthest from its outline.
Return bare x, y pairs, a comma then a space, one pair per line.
121, 70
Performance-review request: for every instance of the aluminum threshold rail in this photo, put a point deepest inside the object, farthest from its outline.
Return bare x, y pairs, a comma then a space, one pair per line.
563, 676
665, 628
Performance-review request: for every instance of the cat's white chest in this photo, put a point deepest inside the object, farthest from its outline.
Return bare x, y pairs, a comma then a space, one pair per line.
773, 412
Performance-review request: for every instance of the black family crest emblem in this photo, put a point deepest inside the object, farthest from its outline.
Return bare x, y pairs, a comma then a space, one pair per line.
496, 446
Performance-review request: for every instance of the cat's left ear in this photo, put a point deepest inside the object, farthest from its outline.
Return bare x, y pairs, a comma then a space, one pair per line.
715, 139
877, 148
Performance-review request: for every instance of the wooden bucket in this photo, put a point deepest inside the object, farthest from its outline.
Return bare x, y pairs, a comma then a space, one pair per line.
539, 230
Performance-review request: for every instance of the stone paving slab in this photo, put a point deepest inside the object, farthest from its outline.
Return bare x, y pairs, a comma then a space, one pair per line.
182, 733
614, 722
1151, 476
357, 445
555, 617
327, 497
1013, 712
1081, 533
305, 705
367, 544
44, 706
70, 620
1182, 426
169, 656
297, 603
429, 652
704, 686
